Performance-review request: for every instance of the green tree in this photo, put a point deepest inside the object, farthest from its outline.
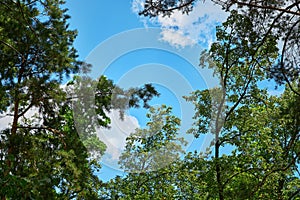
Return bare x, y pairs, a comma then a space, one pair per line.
258, 41
269, 168
36, 55
92, 100
42, 153
149, 158
266, 136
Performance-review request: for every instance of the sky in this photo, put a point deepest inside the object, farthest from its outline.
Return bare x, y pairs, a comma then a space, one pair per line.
133, 50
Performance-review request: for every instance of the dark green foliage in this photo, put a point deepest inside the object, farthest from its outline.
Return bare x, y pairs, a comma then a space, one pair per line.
42, 155
47, 151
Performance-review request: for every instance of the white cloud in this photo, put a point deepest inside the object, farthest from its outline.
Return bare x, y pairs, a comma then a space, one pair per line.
6, 118
176, 38
182, 30
115, 137
137, 5
5, 121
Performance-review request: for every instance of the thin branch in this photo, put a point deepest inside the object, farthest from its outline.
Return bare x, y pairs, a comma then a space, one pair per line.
159, 9
13, 48
241, 172
285, 10
274, 171
24, 111
294, 194
282, 57
241, 96
31, 2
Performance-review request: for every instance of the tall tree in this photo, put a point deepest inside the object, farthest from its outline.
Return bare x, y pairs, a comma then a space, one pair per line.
258, 41
36, 55
42, 154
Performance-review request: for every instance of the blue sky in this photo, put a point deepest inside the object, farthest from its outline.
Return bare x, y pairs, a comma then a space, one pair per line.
98, 20
133, 51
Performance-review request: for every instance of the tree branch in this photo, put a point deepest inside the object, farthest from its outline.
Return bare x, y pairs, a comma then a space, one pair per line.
285, 10
159, 9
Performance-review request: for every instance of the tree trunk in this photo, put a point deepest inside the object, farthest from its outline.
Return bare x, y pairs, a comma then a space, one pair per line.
218, 170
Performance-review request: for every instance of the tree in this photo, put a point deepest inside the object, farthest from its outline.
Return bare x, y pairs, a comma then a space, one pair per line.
258, 41
155, 147
92, 100
267, 141
42, 154
150, 158
239, 63
36, 55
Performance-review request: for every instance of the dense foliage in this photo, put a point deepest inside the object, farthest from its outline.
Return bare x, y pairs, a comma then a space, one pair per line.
48, 152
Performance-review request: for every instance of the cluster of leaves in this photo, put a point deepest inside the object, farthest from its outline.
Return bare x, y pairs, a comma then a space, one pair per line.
92, 100
155, 147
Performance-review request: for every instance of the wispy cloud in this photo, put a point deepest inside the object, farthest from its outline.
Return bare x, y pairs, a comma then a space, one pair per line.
185, 30
176, 38
6, 118
5, 121
137, 5
115, 137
